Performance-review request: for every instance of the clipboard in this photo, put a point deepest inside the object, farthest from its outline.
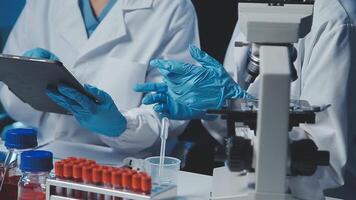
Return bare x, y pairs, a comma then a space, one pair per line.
29, 78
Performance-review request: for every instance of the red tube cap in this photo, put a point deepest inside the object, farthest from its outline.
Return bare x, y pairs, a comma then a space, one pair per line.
107, 173
68, 170
97, 175
126, 180
58, 169
143, 174
146, 184
78, 172
116, 179
71, 158
82, 160
136, 182
87, 174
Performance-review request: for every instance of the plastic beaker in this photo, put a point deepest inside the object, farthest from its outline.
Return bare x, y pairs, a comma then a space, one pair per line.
169, 172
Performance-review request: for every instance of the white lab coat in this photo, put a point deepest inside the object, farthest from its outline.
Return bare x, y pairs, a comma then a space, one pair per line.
326, 71
114, 59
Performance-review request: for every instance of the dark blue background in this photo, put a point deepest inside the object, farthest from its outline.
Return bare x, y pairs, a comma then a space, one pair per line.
9, 11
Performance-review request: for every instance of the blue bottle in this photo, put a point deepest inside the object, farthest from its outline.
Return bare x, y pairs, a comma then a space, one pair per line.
17, 141
36, 167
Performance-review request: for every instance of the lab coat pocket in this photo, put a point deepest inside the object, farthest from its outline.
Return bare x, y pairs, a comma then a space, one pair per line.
117, 77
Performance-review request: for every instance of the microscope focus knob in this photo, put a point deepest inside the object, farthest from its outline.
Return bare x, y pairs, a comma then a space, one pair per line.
305, 158
239, 153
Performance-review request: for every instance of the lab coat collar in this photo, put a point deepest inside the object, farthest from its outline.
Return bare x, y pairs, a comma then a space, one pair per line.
136, 4
350, 7
70, 23
112, 28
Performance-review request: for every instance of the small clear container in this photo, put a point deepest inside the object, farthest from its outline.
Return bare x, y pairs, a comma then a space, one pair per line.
169, 172
36, 167
17, 141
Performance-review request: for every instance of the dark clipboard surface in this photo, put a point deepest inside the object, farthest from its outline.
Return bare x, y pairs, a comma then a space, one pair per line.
29, 79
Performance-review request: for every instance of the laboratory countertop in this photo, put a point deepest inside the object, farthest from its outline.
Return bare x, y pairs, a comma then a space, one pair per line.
191, 186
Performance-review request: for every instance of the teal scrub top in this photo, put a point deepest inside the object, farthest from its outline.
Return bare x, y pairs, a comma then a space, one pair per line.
89, 18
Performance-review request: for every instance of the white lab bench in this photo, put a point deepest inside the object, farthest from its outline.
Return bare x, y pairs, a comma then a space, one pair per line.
191, 186
196, 186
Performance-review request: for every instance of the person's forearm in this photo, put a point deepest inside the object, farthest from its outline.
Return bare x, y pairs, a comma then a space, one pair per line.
143, 126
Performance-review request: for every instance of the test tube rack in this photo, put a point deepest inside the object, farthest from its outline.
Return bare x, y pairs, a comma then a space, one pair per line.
158, 191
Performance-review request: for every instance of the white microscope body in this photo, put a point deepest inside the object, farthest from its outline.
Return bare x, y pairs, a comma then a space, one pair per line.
270, 28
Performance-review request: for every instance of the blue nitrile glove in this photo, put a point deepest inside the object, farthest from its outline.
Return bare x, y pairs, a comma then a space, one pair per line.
199, 87
102, 117
164, 103
40, 53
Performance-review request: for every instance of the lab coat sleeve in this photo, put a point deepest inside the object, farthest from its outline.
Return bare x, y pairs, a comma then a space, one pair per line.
143, 124
17, 43
325, 81
236, 58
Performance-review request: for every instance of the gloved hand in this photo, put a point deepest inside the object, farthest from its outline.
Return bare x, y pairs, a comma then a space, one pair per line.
200, 88
165, 104
40, 53
102, 117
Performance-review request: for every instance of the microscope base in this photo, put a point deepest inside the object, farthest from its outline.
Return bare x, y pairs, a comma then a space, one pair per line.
229, 185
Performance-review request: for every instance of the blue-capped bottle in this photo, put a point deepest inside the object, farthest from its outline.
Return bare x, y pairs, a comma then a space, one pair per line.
16, 141
36, 167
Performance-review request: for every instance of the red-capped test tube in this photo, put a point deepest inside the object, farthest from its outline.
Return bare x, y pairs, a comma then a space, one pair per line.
107, 173
136, 182
116, 180
126, 180
90, 162
71, 159
78, 177
59, 170
146, 184
82, 160
87, 178
98, 180
68, 175
78, 173
86, 171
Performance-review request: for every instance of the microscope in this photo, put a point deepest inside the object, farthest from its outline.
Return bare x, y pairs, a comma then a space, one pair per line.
271, 27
